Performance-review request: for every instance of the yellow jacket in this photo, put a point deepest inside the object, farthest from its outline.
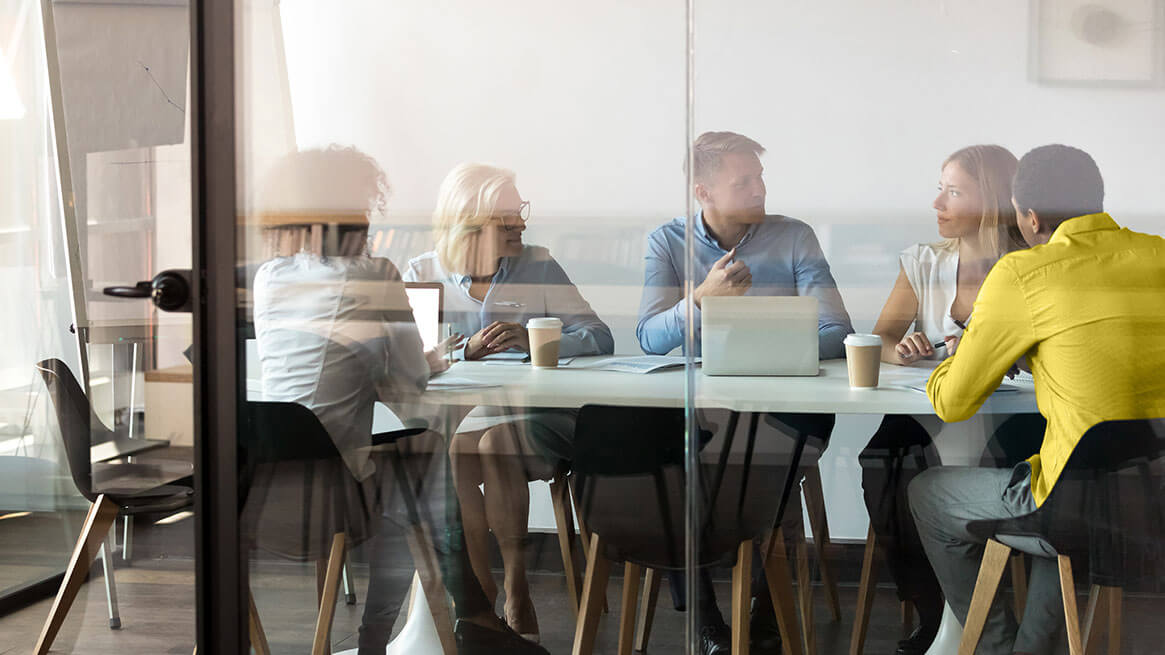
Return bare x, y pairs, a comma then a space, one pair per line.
1088, 310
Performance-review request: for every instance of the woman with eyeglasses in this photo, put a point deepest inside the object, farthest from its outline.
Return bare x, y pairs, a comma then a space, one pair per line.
494, 283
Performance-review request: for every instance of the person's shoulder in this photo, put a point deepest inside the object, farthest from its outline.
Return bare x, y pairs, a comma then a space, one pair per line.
930, 252
533, 253
265, 269
423, 268
279, 270
1142, 239
669, 231
788, 227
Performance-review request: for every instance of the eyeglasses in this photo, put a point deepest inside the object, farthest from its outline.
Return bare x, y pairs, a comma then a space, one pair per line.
512, 220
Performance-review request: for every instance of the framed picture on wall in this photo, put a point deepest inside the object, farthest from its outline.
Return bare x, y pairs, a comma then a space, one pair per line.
1116, 43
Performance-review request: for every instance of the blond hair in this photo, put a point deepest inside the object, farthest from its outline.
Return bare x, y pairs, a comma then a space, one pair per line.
466, 202
993, 168
710, 147
319, 201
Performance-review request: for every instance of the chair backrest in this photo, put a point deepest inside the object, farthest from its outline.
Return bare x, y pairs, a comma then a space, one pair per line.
1105, 498
78, 423
282, 432
629, 479
295, 490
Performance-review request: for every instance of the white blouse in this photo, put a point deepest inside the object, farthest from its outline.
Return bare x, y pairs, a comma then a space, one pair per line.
933, 272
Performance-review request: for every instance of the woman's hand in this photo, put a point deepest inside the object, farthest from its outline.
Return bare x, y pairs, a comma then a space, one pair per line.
952, 343
913, 347
495, 338
438, 356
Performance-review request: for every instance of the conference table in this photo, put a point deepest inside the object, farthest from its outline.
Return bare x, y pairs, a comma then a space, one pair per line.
578, 383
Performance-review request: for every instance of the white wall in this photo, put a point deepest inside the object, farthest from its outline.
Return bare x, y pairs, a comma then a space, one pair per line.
857, 102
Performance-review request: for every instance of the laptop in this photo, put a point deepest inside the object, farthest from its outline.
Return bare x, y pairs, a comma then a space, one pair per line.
759, 335
427, 300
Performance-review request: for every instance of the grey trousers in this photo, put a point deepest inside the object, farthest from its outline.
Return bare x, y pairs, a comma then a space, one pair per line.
944, 500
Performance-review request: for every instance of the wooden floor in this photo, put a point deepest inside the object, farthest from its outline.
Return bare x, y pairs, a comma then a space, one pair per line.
157, 610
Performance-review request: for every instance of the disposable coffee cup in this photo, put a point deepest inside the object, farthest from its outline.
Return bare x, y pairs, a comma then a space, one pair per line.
545, 337
863, 357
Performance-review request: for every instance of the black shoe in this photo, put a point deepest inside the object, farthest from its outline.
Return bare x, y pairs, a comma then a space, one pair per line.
764, 636
715, 639
473, 639
918, 642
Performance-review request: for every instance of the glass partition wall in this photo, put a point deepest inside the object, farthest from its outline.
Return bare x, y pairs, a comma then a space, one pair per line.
525, 329
443, 220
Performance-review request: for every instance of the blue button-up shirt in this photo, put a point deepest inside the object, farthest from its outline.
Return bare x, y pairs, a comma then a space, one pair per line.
785, 260
527, 286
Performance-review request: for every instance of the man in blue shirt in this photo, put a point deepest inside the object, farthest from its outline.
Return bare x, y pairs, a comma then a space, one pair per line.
739, 250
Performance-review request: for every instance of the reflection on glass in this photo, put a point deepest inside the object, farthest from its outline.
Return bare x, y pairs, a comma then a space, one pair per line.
494, 286
335, 334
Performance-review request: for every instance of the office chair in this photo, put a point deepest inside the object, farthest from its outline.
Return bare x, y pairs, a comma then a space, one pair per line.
625, 453
300, 502
1092, 496
78, 425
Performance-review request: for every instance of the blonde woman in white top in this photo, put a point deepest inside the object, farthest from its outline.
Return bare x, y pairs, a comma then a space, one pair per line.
929, 306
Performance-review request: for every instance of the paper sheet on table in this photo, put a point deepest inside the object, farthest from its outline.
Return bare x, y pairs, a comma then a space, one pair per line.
446, 383
506, 356
916, 376
562, 361
642, 364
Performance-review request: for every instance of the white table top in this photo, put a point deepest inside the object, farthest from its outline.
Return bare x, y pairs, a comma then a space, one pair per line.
828, 392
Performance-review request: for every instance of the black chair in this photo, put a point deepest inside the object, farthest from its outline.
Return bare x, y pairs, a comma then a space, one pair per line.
80, 428
1094, 503
1015, 440
299, 501
810, 434
628, 480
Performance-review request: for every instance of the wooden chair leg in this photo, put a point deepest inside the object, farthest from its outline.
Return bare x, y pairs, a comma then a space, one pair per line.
805, 594
255, 628
627, 613
1019, 584
321, 578
564, 521
594, 589
98, 521
1071, 615
585, 534
780, 583
990, 572
322, 643
741, 595
815, 504
647, 611
1095, 619
906, 609
1115, 600
857, 642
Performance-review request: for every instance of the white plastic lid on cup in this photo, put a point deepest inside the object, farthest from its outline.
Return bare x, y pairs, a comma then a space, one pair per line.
544, 322
858, 340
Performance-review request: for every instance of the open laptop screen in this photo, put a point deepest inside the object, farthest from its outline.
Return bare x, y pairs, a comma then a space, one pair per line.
427, 302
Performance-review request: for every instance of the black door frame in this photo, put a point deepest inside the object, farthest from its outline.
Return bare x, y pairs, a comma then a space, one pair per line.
220, 565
